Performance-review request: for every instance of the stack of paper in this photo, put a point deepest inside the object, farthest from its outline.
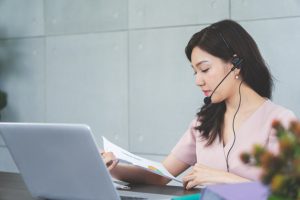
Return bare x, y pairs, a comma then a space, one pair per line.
125, 156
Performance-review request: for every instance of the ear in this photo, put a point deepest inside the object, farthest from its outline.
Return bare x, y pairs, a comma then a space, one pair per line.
237, 61
236, 71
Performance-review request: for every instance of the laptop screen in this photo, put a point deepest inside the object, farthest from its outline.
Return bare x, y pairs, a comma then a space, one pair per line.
58, 161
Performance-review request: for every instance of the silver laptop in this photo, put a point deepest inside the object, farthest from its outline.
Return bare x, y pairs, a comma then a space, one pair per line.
59, 161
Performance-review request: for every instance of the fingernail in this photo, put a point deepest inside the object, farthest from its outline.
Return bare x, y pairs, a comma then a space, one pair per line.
109, 163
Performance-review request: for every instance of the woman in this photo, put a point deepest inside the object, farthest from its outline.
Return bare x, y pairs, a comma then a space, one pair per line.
237, 112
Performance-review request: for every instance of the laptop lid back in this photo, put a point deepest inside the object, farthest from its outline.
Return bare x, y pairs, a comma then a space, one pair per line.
58, 161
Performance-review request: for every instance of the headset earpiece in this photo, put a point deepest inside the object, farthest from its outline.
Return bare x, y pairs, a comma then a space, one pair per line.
236, 61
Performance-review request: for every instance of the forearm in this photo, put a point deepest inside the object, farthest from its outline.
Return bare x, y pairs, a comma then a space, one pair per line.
230, 178
203, 175
134, 174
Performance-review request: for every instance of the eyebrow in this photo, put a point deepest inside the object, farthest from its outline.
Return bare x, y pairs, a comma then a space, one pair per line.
200, 63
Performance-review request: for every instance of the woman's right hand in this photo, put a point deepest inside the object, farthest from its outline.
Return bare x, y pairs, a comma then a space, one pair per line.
109, 159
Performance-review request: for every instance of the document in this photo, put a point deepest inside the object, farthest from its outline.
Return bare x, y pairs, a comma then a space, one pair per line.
127, 157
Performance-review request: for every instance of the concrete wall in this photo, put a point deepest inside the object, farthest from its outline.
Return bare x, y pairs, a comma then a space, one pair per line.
119, 65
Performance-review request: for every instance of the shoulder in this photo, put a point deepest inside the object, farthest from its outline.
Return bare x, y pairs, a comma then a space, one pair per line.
192, 127
274, 111
185, 149
191, 132
194, 123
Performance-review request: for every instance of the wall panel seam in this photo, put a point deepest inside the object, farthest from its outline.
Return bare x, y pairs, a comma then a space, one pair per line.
128, 79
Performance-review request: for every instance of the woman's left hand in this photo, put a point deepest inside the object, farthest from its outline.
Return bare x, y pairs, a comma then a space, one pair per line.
109, 159
203, 175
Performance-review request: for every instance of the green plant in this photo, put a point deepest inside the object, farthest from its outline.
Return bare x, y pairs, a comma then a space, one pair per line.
281, 172
2, 100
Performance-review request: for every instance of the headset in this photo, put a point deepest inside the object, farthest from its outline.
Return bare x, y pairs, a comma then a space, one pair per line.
236, 62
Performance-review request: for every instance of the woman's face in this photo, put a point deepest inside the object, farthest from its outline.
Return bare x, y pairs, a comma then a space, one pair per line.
209, 71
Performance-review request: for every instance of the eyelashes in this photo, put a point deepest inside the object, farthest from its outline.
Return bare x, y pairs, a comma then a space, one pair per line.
203, 71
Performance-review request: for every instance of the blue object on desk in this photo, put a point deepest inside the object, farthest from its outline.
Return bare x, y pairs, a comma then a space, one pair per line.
245, 191
189, 197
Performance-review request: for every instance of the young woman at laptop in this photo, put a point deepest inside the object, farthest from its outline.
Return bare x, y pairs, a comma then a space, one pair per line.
237, 113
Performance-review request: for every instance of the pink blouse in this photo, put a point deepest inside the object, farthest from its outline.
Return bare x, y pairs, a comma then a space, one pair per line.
256, 129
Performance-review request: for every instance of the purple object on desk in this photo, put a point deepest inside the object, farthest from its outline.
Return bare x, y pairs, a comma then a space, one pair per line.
244, 191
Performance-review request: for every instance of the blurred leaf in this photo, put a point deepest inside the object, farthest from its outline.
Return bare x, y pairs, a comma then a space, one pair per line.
281, 172
3, 100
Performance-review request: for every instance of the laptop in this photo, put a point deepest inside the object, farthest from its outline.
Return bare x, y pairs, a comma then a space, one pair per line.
60, 161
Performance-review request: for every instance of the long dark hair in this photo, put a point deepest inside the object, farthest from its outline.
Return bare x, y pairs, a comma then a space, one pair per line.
254, 70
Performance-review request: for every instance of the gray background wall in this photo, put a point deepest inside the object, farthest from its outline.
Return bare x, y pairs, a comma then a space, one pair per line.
119, 65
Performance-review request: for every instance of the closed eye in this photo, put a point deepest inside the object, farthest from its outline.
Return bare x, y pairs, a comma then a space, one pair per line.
205, 70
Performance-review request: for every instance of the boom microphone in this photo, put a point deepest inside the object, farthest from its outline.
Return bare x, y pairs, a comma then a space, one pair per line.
207, 100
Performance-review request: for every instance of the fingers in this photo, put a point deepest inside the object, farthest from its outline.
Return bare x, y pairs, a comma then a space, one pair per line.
112, 165
191, 184
196, 177
109, 159
188, 178
187, 181
203, 175
184, 183
108, 156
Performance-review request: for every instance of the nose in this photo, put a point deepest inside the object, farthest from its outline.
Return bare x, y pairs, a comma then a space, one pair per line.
199, 80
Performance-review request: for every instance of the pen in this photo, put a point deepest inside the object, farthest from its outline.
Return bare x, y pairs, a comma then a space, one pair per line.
123, 187
120, 186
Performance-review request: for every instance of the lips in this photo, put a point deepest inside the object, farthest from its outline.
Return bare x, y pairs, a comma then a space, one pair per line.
206, 92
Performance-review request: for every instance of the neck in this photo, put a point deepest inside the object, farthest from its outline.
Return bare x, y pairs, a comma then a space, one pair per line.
249, 99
